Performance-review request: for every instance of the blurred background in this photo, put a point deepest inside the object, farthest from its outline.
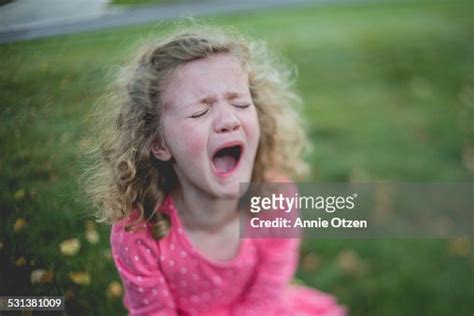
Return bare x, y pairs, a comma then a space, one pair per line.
388, 88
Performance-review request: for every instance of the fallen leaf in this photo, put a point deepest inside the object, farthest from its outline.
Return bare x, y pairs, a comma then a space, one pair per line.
310, 262
92, 236
70, 247
1, 245
41, 276
459, 247
114, 290
20, 194
19, 225
20, 262
37, 275
80, 278
350, 262
48, 277
90, 225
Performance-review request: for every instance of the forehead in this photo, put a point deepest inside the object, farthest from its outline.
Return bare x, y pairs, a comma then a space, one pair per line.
210, 76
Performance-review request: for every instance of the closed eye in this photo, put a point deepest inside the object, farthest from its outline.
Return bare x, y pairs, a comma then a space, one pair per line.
242, 106
199, 114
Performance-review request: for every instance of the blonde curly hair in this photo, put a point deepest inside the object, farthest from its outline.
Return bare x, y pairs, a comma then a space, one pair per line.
125, 176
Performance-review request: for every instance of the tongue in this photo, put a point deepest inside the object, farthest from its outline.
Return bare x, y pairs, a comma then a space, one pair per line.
224, 163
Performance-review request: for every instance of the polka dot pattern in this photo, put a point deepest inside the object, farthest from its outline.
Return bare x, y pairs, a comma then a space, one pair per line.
171, 277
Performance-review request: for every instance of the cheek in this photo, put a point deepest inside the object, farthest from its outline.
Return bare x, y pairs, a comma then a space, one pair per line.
183, 141
195, 146
252, 127
192, 141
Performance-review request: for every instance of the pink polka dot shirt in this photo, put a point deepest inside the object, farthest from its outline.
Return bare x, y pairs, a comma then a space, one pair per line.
171, 277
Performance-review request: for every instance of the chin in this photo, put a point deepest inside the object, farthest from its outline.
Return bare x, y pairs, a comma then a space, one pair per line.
230, 193
230, 188
233, 189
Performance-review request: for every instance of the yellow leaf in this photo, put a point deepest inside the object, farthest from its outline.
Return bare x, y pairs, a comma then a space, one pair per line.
70, 247
459, 247
20, 194
114, 290
20, 262
19, 225
41, 276
80, 278
90, 225
351, 263
92, 236
37, 275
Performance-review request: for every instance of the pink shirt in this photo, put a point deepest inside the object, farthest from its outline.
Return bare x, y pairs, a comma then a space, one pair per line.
171, 276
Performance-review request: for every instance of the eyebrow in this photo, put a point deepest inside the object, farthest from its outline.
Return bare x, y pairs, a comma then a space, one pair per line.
210, 100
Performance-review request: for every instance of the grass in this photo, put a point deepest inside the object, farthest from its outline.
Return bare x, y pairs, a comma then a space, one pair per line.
388, 91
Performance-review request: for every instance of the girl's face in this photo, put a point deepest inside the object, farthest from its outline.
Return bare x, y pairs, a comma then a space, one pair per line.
210, 126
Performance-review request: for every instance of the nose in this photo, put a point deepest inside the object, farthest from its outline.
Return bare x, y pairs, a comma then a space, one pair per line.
226, 121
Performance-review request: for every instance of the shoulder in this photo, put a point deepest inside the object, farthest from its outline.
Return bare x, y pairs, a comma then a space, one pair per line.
121, 233
133, 248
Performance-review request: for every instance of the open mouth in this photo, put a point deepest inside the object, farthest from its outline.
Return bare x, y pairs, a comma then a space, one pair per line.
226, 159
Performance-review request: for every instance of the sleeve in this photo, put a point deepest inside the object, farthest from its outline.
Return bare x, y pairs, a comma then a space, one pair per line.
277, 263
278, 260
146, 291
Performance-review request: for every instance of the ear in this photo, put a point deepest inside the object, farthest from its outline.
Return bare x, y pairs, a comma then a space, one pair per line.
160, 150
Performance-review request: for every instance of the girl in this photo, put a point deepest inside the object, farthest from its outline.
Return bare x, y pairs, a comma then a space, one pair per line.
192, 117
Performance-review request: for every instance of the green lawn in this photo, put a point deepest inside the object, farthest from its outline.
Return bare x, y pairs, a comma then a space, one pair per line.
388, 91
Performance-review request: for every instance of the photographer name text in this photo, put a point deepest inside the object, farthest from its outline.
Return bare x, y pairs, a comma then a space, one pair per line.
281, 222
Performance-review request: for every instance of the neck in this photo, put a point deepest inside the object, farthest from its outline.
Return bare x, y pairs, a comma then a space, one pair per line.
200, 211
